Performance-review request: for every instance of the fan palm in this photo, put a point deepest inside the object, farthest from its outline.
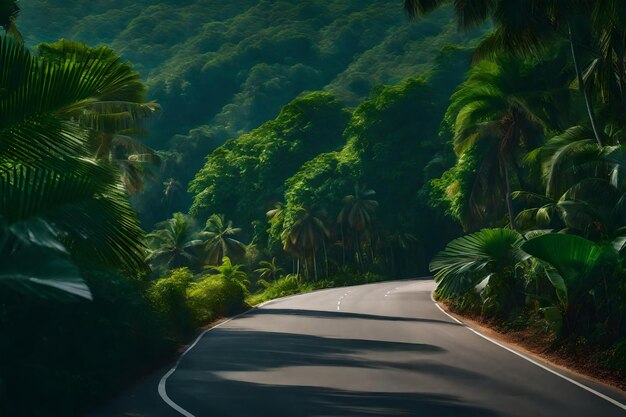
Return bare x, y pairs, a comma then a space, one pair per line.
219, 236
51, 189
490, 255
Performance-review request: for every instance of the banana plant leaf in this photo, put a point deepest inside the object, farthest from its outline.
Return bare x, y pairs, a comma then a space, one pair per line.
572, 258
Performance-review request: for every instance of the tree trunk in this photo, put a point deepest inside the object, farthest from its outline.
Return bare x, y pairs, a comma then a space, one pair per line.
509, 200
343, 246
315, 265
325, 256
359, 250
583, 90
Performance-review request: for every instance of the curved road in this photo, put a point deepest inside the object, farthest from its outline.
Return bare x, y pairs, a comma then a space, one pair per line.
382, 349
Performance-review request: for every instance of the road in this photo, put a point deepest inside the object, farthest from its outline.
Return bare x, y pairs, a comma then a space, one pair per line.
375, 350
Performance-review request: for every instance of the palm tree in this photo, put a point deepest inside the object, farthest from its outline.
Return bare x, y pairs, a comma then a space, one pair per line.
585, 185
494, 116
114, 116
526, 27
56, 198
305, 231
357, 213
171, 189
231, 273
174, 243
219, 240
269, 269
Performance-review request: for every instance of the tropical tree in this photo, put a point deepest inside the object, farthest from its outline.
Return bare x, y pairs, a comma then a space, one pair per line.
55, 197
114, 116
526, 28
585, 185
175, 243
357, 213
269, 269
231, 273
494, 110
303, 234
219, 237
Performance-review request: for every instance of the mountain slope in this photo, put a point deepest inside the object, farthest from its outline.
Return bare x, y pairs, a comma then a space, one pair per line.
230, 66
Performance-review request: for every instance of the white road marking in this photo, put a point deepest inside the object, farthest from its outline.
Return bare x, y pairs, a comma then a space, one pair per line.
578, 384
163, 381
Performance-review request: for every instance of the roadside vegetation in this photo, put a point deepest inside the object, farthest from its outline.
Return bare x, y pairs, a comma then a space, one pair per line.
498, 166
539, 181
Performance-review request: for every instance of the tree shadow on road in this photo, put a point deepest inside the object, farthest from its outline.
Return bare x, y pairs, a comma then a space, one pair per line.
210, 382
343, 314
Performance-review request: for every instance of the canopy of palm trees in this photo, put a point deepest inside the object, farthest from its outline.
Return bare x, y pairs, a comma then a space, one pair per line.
174, 242
219, 236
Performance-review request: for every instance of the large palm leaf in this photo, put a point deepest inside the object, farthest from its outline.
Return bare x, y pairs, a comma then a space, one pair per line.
89, 213
578, 265
46, 175
468, 260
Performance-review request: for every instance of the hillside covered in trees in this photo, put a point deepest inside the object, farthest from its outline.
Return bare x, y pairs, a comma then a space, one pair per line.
221, 69
174, 162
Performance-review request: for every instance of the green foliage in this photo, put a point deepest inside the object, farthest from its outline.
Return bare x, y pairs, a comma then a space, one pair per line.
73, 354
587, 277
232, 273
54, 197
168, 297
220, 70
175, 243
246, 175
215, 296
230, 64
487, 255
291, 284
185, 301
220, 241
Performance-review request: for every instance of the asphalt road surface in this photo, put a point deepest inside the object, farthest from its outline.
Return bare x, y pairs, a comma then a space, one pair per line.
373, 350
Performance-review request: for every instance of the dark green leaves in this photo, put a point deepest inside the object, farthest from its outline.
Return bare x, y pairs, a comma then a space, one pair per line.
468, 260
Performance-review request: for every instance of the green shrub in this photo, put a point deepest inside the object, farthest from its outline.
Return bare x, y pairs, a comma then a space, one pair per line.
168, 297
212, 297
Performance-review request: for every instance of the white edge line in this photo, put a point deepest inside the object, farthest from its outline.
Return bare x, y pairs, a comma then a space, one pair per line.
162, 382
552, 371
161, 389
